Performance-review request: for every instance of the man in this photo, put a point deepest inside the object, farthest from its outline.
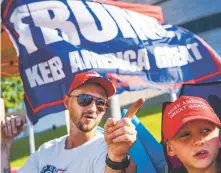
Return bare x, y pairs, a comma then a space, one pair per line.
84, 150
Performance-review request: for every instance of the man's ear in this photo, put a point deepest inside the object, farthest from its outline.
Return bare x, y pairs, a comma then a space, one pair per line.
108, 101
66, 101
169, 149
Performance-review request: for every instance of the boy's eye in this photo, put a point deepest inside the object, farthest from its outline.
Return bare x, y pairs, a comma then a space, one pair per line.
185, 134
206, 130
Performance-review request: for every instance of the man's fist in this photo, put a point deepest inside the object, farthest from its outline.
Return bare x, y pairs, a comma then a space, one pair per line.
12, 126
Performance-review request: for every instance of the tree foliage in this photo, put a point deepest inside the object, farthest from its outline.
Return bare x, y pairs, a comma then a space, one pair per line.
12, 92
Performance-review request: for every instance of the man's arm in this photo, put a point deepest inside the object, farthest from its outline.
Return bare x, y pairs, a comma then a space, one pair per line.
120, 136
10, 127
5, 156
132, 168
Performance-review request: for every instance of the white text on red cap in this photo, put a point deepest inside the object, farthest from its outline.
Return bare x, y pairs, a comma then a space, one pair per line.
186, 104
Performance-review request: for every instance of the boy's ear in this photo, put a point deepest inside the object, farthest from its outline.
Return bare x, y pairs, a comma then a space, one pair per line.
169, 149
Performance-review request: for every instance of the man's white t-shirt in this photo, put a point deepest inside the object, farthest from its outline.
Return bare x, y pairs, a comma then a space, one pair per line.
52, 157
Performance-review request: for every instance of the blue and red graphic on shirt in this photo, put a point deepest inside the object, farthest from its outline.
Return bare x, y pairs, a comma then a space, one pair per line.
52, 169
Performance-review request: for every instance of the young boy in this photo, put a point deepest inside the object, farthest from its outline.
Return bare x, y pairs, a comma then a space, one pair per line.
191, 133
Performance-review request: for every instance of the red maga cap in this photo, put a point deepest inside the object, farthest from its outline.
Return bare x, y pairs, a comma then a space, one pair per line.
184, 110
92, 77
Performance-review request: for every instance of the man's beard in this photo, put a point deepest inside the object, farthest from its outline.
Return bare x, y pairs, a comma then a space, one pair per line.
84, 127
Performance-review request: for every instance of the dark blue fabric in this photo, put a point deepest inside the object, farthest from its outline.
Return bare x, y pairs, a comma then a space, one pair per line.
210, 91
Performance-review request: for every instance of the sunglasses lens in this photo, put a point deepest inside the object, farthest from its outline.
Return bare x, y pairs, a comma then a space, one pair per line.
84, 99
100, 102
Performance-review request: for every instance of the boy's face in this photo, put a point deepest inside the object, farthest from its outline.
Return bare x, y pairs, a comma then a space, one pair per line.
196, 144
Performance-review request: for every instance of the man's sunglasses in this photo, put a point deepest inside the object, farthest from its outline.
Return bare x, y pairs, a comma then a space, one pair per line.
86, 99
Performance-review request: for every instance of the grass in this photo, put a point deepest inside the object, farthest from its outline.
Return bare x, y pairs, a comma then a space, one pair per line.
19, 162
150, 118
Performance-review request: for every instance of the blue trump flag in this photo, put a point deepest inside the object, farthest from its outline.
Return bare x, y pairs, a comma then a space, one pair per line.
55, 40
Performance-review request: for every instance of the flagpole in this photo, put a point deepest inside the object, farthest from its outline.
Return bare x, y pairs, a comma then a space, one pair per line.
173, 96
67, 118
115, 111
66, 112
31, 136
2, 109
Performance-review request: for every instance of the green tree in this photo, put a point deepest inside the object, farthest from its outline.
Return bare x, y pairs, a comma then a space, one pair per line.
12, 92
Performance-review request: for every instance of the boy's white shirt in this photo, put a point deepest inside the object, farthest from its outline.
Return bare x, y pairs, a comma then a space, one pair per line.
51, 157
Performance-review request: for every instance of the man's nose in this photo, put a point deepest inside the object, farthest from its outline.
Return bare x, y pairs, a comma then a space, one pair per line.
92, 106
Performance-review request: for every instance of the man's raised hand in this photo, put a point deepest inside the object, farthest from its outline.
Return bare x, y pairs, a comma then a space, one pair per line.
120, 135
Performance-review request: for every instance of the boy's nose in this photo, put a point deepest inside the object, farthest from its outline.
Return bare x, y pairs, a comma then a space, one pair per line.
199, 141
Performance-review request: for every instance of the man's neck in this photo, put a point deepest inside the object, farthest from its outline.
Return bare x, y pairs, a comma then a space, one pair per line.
78, 137
211, 169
